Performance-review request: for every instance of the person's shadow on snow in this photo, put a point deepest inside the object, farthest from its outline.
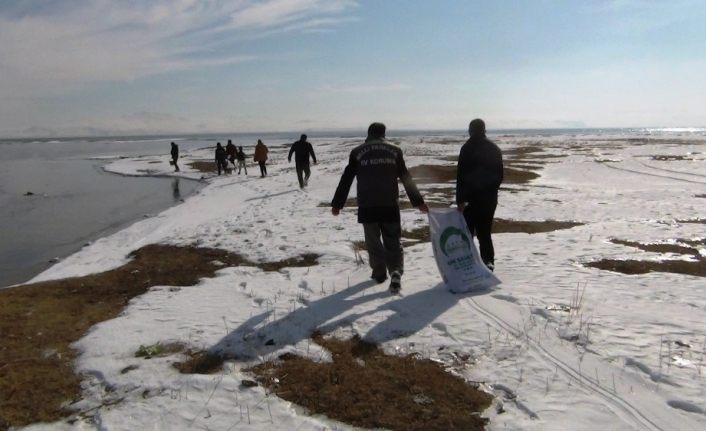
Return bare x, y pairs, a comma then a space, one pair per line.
411, 314
248, 341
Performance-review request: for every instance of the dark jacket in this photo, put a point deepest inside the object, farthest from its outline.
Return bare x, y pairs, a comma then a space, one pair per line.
240, 155
301, 150
377, 165
231, 150
480, 169
175, 152
220, 154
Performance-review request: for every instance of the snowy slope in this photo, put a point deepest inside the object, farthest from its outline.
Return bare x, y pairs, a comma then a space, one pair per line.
612, 364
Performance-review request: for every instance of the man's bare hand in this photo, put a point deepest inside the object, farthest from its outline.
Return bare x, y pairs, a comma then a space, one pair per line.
460, 206
335, 211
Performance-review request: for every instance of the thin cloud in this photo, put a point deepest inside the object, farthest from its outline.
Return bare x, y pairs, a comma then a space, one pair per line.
54, 48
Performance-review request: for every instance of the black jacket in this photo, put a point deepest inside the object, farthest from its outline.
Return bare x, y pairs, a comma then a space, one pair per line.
220, 154
175, 152
301, 150
480, 169
377, 165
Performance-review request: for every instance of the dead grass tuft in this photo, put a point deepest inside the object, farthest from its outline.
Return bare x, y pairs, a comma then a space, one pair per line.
366, 388
198, 362
39, 322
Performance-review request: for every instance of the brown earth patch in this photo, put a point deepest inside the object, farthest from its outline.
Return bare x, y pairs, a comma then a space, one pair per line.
199, 362
691, 267
40, 321
434, 174
518, 176
364, 387
203, 166
531, 227
697, 268
658, 248
207, 167
430, 174
697, 220
667, 158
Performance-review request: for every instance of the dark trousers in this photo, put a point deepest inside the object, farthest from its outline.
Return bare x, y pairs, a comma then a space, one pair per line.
222, 165
303, 169
384, 249
479, 217
263, 169
174, 162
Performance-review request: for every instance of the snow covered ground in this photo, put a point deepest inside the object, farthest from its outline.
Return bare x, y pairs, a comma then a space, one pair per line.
629, 356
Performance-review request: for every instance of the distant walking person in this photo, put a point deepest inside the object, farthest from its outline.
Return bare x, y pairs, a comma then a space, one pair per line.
302, 150
240, 155
221, 162
261, 157
230, 151
175, 156
478, 178
377, 165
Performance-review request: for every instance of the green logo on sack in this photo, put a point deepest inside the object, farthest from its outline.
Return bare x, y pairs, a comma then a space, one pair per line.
452, 240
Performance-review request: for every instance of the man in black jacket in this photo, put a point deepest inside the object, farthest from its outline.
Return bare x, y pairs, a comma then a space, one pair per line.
478, 178
377, 165
302, 149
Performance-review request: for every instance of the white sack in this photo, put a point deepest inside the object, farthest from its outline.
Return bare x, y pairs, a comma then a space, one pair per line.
456, 255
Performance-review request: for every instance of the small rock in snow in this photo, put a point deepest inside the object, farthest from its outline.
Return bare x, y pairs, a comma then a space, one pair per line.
270, 342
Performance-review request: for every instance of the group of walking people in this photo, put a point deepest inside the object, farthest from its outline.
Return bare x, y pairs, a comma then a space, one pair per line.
377, 165
231, 154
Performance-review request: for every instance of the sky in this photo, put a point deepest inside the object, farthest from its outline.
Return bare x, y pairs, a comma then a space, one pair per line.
102, 67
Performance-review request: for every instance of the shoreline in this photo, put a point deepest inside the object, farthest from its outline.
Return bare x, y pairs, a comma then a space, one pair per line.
102, 227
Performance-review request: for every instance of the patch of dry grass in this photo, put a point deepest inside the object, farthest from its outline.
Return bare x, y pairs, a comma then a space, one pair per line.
695, 267
366, 388
39, 322
669, 158
531, 227
203, 166
658, 248
697, 220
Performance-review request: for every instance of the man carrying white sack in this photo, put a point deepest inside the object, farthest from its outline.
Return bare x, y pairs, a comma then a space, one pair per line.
478, 178
377, 165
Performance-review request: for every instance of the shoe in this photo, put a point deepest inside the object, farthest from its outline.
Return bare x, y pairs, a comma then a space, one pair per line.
491, 266
395, 284
379, 278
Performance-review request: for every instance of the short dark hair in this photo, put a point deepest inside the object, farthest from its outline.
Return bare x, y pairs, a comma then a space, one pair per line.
476, 127
376, 130
303, 138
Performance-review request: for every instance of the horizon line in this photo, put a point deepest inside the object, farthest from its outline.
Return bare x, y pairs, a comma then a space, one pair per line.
343, 130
